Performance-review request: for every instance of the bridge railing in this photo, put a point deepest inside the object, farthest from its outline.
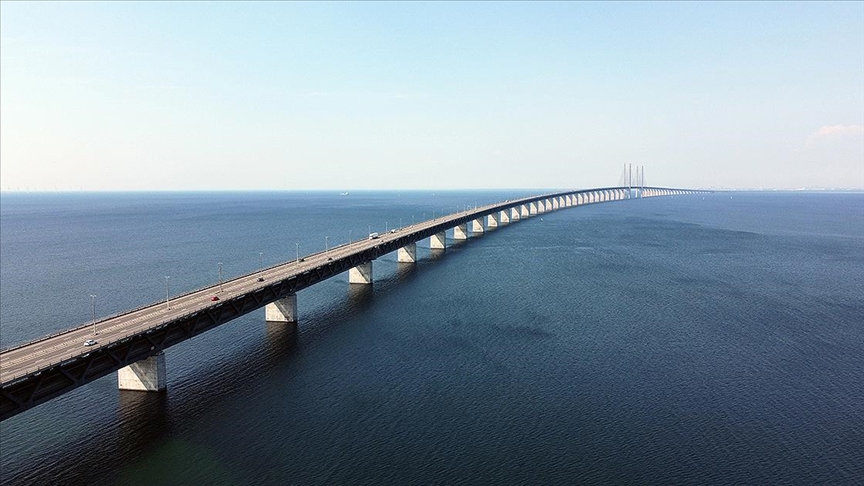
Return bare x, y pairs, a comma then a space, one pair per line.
151, 304
477, 212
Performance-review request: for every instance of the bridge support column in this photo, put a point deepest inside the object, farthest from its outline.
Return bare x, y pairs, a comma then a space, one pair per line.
532, 208
145, 375
505, 216
477, 226
361, 274
438, 241
524, 212
407, 254
492, 221
556, 203
460, 232
516, 213
283, 310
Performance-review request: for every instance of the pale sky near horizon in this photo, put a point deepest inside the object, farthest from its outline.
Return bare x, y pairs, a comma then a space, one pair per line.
442, 95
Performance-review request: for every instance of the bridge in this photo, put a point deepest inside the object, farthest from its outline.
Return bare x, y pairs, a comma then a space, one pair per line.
132, 343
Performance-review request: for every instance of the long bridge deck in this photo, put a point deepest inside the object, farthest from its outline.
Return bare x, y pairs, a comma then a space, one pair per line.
35, 372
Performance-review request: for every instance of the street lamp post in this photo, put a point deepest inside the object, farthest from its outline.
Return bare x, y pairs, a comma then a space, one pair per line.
385, 226
349, 236
297, 248
326, 244
93, 301
167, 293
220, 276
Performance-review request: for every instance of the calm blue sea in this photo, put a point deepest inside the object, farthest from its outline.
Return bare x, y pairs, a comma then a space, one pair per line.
713, 339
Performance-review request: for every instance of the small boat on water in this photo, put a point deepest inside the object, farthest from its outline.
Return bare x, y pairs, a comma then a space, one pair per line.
343, 193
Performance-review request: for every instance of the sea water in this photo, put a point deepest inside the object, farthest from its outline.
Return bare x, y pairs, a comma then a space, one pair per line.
694, 339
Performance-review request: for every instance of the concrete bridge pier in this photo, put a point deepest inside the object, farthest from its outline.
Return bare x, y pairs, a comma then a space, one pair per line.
283, 310
504, 216
145, 375
438, 241
460, 232
477, 226
532, 208
407, 254
524, 212
516, 213
492, 221
361, 274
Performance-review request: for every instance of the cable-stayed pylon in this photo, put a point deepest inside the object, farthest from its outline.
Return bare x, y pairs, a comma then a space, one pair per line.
622, 180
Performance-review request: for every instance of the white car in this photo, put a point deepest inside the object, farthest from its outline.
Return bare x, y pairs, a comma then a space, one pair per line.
90, 342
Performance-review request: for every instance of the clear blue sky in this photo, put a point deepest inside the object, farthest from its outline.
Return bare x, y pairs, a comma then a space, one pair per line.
188, 96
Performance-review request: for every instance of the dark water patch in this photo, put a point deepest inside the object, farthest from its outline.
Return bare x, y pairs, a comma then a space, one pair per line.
660, 341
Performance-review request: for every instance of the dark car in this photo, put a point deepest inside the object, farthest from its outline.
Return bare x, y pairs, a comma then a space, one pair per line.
214, 298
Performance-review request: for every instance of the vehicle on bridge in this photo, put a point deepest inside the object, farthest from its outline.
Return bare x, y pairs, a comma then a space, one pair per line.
373, 236
90, 342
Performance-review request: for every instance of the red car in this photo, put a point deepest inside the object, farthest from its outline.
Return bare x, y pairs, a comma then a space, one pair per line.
214, 298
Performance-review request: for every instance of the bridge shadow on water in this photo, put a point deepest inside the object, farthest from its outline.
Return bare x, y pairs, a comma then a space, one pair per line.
143, 424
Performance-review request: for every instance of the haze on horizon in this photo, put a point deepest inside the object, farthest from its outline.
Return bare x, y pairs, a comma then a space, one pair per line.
305, 96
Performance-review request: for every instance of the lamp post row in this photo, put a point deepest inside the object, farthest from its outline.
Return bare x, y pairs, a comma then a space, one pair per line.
261, 260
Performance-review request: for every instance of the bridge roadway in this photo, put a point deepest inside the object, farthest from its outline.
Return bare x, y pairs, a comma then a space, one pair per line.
40, 370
